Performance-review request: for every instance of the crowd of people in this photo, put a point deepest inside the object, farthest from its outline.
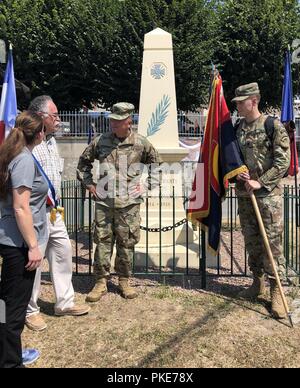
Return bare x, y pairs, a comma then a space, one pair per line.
32, 225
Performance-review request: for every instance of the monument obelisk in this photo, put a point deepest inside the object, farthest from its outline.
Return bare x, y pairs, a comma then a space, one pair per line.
158, 107
158, 122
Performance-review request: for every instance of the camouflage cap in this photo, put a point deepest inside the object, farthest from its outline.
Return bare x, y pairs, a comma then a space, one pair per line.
121, 111
245, 91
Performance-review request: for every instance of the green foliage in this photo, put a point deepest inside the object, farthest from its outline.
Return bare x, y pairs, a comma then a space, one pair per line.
191, 23
253, 37
135, 19
80, 52
60, 46
91, 51
193, 26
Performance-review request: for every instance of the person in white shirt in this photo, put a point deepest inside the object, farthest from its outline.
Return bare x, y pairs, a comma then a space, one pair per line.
59, 249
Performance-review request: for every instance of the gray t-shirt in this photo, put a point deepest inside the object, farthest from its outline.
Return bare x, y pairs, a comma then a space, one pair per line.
24, 172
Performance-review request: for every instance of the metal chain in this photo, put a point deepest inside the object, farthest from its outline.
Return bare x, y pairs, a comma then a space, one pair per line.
166, 228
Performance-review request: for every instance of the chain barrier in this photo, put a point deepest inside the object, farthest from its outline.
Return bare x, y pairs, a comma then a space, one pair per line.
166, 228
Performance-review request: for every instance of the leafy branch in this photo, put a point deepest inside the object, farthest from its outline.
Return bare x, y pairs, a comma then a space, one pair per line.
159, 116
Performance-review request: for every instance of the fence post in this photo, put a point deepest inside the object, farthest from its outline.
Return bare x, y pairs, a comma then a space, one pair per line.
160, 227
286, 224
82, 197
76, 225
2, 332
231, 230
203, 260
90, 234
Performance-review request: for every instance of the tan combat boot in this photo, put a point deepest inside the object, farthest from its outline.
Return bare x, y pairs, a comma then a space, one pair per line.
257, 289
98, 291
127, 292
278, 310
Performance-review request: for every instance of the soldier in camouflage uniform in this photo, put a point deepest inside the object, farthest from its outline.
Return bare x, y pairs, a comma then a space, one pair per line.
118, 197
267, 159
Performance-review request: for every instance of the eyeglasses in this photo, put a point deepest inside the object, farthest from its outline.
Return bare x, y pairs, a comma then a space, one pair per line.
54, 115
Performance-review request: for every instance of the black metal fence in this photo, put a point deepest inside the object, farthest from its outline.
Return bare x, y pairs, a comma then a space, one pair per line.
175, 249
184, 253
297, 122
79, 216
292, 229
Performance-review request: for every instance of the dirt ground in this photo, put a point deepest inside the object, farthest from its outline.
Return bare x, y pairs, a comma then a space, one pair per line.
167, 326
173, 323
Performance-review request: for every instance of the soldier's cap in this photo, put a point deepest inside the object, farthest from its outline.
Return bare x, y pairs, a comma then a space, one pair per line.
245, 91
121, 111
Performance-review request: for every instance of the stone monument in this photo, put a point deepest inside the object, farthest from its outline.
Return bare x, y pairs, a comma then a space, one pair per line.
158, 122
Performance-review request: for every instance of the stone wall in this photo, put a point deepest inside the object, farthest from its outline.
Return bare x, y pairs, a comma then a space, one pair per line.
70, 150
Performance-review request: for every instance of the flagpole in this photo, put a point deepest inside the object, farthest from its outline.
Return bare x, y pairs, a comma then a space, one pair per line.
270, 256
287, 117
291, 125
8, 103
296, 182
291, 129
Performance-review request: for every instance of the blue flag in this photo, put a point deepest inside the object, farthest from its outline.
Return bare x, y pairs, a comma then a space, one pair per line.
287, 111
8, 105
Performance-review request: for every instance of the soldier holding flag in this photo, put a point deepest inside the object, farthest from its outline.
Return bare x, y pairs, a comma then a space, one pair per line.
266, 151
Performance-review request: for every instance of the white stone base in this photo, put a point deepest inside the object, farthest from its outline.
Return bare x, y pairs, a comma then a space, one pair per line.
167, 259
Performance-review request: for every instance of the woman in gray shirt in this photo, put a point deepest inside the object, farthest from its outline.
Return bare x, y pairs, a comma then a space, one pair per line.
23, 233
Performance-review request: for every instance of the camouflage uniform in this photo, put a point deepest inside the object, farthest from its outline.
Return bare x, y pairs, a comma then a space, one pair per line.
267, 162
117, 219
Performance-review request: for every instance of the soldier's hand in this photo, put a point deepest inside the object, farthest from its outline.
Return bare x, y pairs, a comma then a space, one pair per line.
136, 191
244, 176
252, 185
92, 190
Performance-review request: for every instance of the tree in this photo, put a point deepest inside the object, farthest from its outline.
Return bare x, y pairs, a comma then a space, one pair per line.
61, 46
91, 51
193, 48
253, 37
124, 64
193, 26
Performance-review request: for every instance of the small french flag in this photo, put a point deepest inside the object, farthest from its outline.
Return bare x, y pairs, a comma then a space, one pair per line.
8, 104
50, 200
